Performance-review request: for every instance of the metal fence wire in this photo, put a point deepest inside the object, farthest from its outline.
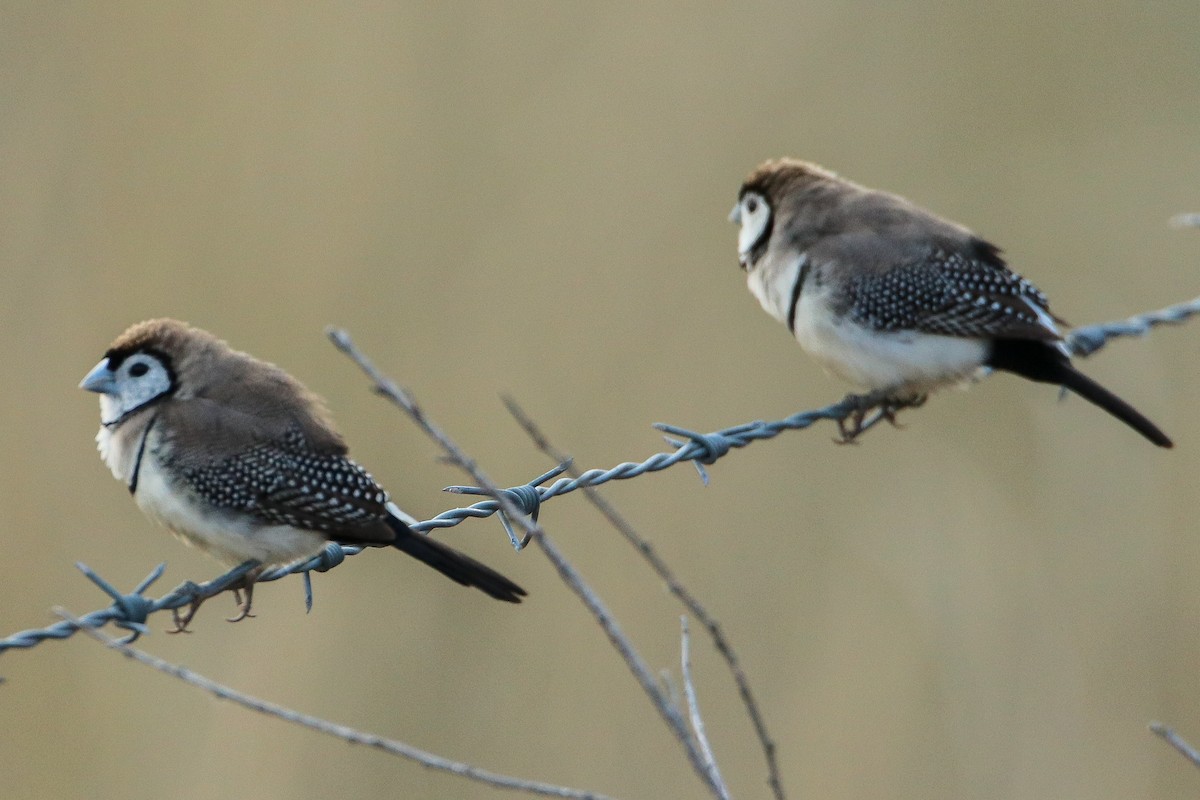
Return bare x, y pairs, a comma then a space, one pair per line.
130, 610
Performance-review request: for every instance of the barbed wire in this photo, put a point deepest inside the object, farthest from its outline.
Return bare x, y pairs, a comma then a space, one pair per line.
130, 611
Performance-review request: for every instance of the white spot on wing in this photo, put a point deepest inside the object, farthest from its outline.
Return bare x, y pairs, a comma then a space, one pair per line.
1043, 318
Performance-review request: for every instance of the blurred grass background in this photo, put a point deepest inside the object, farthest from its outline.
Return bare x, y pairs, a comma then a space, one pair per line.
530, 198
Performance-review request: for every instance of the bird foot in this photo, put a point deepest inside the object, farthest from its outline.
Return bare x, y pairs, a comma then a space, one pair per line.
890, 408
244, 606
182, 620
848, 433
857, 421
246, 584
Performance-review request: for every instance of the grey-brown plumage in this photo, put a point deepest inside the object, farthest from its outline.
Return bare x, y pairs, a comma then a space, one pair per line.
237, 457
892, 297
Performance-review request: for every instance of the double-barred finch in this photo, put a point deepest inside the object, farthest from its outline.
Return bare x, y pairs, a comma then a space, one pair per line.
892, 298
237, 457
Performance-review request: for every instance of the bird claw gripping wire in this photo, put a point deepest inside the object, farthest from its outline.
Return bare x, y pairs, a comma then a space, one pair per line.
857, 407
527, 498
129, 610
195, 597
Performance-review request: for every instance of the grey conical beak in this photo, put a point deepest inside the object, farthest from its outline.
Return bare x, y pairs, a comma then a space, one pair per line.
735, 216
100, 380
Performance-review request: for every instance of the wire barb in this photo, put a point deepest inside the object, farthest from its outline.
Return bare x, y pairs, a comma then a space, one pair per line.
130, 610
526, 497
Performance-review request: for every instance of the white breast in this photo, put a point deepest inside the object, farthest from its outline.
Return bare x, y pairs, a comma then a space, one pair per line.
902, 362
116, 453
227, 536
905, 362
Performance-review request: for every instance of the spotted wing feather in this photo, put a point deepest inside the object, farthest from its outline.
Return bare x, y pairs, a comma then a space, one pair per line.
953, 295
286, 483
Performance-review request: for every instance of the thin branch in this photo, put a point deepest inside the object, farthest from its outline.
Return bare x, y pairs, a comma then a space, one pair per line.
689, 688
343, 732
1175, 740
566, 571
674, 586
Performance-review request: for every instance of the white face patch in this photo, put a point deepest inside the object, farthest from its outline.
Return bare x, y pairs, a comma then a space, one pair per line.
754, 215
139, 379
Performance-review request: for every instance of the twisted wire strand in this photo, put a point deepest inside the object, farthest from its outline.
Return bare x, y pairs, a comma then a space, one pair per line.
131, 610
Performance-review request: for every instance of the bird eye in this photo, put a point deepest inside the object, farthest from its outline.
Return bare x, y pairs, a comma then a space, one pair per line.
751, 204
138, 370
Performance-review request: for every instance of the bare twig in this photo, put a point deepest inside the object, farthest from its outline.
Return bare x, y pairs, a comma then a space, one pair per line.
689, 688
566, 571
674, 586
343, 732
1175, 740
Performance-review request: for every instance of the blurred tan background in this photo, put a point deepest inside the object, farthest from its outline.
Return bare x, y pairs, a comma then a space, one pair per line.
531, 198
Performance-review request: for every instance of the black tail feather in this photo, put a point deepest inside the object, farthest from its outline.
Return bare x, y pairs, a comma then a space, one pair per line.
456, 566
1045, 363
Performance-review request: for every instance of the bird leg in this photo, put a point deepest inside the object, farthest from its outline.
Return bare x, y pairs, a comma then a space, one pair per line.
247, 586
890, 408
183, 620
856, 422
850, 432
